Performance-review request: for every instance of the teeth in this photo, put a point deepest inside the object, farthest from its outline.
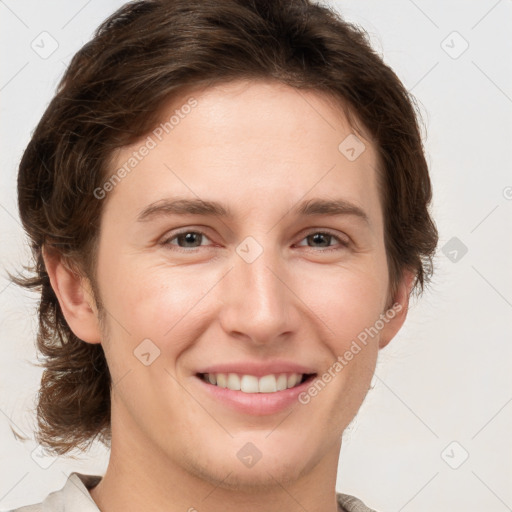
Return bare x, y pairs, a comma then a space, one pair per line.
249, 384
267, 384
233, 382
220, 379
282, 382
252, 384
292, 379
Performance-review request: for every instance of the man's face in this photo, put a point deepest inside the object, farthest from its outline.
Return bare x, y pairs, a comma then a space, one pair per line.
264, 286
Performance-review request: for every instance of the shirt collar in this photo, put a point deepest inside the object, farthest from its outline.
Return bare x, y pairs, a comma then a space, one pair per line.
74, 496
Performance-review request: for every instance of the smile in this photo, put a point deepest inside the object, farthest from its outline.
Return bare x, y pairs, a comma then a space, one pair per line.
251, 384
257, 396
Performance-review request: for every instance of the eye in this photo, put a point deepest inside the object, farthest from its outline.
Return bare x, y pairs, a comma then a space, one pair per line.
192, 239
324, 238
186, 239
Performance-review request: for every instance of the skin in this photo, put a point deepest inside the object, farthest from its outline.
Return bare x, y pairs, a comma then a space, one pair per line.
259, 148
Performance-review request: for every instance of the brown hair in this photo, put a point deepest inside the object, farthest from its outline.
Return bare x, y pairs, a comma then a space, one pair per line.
112, 94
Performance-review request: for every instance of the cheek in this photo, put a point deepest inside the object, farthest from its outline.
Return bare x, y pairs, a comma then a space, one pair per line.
149, 313
346, 300
158, 302
349, 307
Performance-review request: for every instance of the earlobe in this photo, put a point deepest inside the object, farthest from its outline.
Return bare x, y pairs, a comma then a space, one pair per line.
397, 313
75, 297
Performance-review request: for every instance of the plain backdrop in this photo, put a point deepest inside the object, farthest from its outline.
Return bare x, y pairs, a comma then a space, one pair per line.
435, 431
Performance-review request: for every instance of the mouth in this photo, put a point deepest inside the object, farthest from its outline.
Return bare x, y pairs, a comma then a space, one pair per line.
254, 387
252, 395
251, 384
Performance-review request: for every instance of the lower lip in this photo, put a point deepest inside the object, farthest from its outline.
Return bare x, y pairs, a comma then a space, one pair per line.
257, 404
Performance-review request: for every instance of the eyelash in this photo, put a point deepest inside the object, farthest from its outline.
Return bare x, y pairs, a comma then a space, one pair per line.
342, 243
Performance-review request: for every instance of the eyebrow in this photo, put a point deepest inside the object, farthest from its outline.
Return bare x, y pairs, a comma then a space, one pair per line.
310, 207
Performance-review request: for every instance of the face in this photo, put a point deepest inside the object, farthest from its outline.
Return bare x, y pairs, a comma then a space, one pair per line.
275, 284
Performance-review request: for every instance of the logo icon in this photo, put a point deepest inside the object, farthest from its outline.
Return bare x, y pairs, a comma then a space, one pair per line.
455, 455
351, 147
454, 45
249, 455
454, 249
146, 352
249, 249
44, 45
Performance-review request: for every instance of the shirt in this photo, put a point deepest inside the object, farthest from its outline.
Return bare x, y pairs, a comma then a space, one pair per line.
75, 497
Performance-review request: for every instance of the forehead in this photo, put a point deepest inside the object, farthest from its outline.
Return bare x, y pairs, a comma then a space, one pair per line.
249, 140
261, 108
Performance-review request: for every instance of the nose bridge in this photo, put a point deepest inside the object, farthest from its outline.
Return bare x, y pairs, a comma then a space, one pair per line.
256, 301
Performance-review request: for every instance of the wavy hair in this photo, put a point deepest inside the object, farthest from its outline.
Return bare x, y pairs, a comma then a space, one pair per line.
112, 93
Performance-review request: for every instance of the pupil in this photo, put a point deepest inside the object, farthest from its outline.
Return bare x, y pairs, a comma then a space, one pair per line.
189, 237
321, 235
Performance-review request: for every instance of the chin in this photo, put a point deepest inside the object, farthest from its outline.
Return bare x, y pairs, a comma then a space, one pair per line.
281, 467
252, 480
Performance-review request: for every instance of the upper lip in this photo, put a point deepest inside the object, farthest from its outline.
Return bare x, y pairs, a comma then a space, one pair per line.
258, 369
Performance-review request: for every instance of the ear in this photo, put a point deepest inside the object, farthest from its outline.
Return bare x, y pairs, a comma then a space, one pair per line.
394, 317
75, 297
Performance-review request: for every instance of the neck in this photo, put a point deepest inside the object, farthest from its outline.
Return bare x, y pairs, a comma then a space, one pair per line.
140, 476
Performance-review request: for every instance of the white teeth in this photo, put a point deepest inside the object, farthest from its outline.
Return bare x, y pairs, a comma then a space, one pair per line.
251, 384
282, 382
233, 381
292, 380
268, 384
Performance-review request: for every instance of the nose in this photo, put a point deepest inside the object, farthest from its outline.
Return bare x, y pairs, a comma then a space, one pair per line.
258, 302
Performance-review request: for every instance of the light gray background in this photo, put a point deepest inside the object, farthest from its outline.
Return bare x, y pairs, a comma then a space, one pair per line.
447, 376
